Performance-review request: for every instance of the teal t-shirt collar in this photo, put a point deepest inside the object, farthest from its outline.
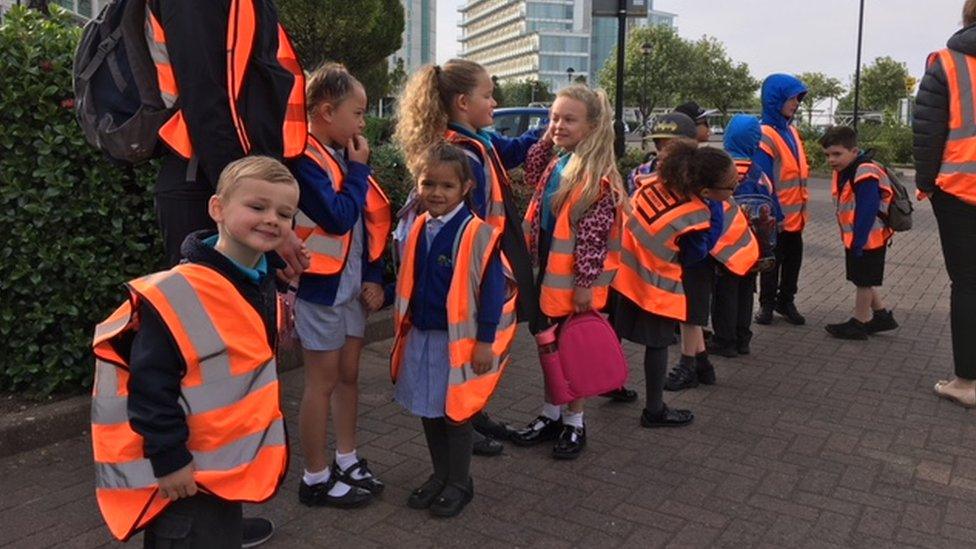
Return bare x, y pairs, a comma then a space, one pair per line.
481, 135
256, 274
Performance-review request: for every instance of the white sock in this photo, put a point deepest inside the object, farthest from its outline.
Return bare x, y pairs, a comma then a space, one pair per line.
340, 489
551, 411
576, 420
345, 461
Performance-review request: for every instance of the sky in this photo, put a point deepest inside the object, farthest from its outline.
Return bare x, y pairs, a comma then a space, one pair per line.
793, 35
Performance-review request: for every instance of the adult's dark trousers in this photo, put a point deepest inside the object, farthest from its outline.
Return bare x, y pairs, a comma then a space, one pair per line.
779, 284
182, 193
198, 522
957, 231
732, 308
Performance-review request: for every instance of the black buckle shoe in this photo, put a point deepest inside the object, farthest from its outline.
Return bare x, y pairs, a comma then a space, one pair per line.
452, 499
542, 429
422, 497
570, 443
881, 321
705, 371
853, 329
486, 446
317, 495
622, 394
368, 482
666, 418
681, 377
789, 312
255, 531
491, 428
765, 314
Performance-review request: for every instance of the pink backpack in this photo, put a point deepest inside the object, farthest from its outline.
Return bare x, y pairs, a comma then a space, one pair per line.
588, 360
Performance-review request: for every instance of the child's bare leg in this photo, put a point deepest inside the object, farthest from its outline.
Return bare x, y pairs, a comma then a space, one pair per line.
863, 299
345, 403
876, 303
692, 339
321, 378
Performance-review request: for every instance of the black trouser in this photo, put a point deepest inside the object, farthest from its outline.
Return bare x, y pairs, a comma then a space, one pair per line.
199, 522
778, 285
957, 231
181, 204
655, 372
449, 445
732, 308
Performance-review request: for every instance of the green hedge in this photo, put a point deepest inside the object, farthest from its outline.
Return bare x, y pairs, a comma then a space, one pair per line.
75, 227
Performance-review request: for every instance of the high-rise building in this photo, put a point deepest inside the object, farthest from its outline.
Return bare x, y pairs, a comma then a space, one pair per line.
556, 41
419, 35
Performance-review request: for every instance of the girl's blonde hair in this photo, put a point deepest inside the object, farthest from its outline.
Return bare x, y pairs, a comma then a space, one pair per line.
424, 106
329, 83
969, 13
593, 158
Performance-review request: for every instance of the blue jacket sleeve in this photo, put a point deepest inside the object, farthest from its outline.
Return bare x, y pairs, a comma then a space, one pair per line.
491, 299
693, 248
478, 194
766, 163
336, 212
512, 151
373, 270
717, 220
867, 200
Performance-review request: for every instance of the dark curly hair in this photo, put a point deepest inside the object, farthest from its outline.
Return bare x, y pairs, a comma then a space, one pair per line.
686, 169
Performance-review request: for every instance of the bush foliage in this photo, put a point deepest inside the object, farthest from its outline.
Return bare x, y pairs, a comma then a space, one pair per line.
75, 226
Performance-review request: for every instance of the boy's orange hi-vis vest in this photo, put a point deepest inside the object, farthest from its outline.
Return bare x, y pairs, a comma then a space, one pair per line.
957, 176
467, 392
329, 251
844, 202
495, 174
790, 174
241, 29
229, 393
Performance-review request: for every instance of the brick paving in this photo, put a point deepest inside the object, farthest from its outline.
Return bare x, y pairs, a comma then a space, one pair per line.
807, 442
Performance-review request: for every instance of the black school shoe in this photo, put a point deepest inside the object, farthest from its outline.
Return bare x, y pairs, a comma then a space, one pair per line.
255, 531
666, 418
681, 377
852, 329
317, 495
486, 446
422, 497
765, 314
704, 370
452, 499
789, 312
491, 428
570, 443
368, 480
542, 429
881, 321
622, 394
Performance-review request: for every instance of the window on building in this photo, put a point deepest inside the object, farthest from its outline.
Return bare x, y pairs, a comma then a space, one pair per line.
549, 11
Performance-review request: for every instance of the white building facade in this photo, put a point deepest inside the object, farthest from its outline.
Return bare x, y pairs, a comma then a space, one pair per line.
419, 35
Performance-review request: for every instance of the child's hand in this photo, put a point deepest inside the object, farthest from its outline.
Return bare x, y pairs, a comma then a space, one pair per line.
295, 255
357, 150
178, 484
547, 137
582, 299
372, 296
483, 357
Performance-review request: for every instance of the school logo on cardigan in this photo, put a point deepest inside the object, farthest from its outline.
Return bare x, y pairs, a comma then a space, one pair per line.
444, 260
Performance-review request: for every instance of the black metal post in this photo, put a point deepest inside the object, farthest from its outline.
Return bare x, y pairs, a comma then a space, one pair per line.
857, 71
618, 107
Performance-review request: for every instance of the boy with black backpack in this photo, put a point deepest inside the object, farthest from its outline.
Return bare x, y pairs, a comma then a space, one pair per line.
863, 195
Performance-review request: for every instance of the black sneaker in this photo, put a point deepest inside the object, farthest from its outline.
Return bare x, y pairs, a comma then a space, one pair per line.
666, 418
622, 394
681, 377
570, 443
542, 429
715, 347
765, 314
255, 531
881, 321
852, 329
317, 495
452, 499
486, 446
367, 480
789, 312
422, 497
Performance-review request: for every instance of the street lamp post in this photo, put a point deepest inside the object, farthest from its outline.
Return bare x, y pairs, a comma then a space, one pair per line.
646, 49
569, 74
857, 71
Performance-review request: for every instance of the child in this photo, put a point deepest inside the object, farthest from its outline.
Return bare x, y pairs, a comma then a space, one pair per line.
672, 226
666, 127
455, 322
573, 224
186, 421
733, 301
702, 130
862, 194
345, 221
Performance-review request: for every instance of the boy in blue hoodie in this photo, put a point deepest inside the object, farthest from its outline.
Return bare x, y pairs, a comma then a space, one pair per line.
733, 301
782, 157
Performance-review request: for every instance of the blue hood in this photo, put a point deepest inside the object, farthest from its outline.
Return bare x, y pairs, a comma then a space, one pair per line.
742, 136
777, 89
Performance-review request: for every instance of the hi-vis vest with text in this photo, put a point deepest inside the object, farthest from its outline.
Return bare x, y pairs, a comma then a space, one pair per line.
650, 271
957, 176
329, 251
844, 204
241, 30
495, 174
556, 293
467, 392
789, 176
229, 393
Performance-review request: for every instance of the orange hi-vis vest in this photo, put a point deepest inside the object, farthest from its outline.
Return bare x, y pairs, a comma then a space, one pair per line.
556, 293
742, 168
495, 177
467, 392
241, 30
844, 202
329, 251
957, 176
790, 174
736, 247
229, 393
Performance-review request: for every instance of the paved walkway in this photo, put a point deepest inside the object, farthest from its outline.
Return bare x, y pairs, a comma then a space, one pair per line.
809, 441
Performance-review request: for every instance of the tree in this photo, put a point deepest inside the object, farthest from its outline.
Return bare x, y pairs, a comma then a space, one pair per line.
522, 92
362, 38
716, 80
883, 84
819, 87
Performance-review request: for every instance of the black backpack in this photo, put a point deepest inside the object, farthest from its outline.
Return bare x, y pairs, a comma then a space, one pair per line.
899, 216
117, 98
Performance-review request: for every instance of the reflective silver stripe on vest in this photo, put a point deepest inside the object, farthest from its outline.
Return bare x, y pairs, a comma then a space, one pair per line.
465, 373
303, 221
650, 277
964, 79
958, 167
496, 209
139, 474
790, 209
788, 184
324, 245
160, 56
562, 246
106, 328
469, 328
657, 244
568, 282
726, 254
209, 346
106, 380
